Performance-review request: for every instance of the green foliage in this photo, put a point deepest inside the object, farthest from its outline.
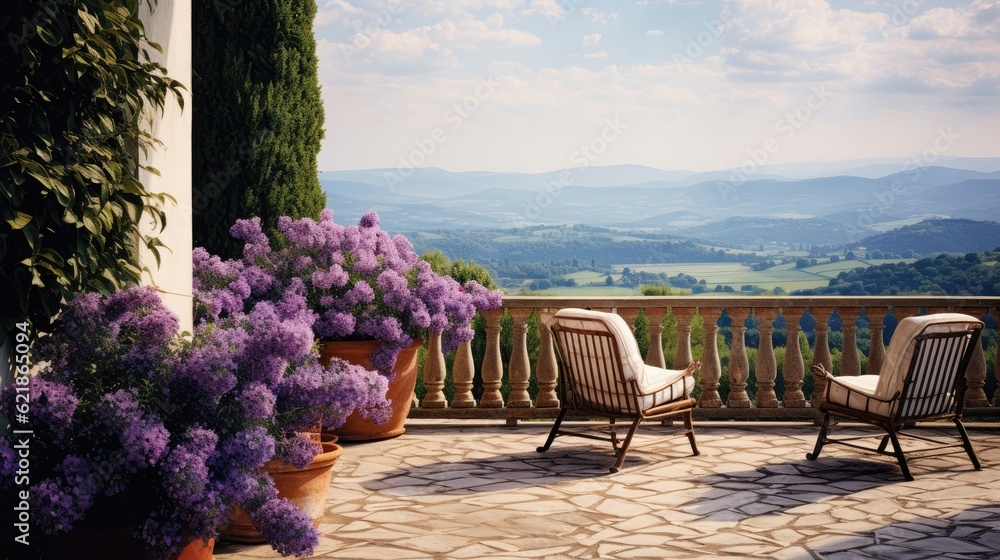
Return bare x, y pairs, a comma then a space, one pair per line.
439, 263
77, 79
258, 117
657, 290
978, 275
936, 236
461, 271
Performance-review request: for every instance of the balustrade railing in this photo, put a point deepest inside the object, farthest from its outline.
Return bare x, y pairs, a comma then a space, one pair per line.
795, 374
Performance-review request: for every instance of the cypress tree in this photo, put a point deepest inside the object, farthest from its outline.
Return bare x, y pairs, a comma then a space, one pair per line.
258, 116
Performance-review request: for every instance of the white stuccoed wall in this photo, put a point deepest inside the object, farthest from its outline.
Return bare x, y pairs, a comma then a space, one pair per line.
170, 26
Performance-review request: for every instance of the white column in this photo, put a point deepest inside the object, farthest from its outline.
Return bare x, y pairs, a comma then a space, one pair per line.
170, 26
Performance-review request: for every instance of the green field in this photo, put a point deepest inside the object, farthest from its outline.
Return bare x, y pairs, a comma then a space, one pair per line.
736, 275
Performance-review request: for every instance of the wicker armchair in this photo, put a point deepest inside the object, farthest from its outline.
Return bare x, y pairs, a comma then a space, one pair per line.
923, 378
601, 374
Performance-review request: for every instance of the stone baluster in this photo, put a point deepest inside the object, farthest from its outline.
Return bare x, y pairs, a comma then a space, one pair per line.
434, 372
519, 367
711, 367
546, 368
683, 357
975, 374
876, 355
654, 356
739, 365
821, 353
850, 361
765, 366
793, 368
492, 361
463, 371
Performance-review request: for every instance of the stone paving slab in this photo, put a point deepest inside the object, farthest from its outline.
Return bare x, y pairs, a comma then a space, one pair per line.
460, 489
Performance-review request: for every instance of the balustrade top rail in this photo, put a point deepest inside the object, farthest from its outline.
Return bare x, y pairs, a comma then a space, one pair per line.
765, 404
780, 302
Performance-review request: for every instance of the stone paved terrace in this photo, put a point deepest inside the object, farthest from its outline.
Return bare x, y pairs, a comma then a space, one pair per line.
455, 489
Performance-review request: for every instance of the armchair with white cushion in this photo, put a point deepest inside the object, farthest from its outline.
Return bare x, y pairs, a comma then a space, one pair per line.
923, 378
602, 374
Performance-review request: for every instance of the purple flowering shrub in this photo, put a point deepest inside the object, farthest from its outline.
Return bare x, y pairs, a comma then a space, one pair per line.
174, 430
356, 281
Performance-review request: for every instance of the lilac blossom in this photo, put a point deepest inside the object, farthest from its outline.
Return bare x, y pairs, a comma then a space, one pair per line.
285, 526
186, 421
52, 406
297, 450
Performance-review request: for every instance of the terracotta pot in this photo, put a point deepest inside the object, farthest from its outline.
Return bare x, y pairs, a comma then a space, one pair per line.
306, 488
117, 543
357, 427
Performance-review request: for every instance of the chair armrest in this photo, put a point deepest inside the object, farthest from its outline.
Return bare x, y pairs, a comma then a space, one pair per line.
689, 370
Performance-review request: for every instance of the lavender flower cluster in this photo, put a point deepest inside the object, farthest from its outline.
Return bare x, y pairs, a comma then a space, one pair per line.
356, 281
179, 427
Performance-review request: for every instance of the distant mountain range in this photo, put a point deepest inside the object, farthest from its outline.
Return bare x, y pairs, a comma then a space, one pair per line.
780, 203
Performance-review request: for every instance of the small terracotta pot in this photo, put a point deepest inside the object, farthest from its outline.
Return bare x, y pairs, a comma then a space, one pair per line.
400, 393
306, 488
117, 543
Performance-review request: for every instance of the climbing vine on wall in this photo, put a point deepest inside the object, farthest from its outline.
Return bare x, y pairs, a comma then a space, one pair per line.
75, 79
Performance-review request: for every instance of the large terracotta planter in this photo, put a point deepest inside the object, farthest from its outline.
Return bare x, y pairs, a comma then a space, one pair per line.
306, 488
357, 427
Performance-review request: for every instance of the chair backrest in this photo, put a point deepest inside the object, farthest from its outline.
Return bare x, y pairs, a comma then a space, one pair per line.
600, 362
926, 362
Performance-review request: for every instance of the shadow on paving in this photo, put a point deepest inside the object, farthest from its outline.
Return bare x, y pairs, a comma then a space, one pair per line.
971, 534
508, 472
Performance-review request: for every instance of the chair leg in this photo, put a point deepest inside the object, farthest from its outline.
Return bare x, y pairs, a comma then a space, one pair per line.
898, 450
552, 434
968, 445
885, 442
821, 438
613, 432
625, 444
689, 426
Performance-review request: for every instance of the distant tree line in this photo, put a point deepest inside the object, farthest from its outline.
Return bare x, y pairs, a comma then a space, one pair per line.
972, 274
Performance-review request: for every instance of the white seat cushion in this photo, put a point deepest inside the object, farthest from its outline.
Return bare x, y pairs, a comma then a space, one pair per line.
678, 386
856, 393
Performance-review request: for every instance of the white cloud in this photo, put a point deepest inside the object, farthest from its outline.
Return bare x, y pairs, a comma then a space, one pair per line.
591, 39
495, 20
473, 33
600, 18
601, 54
654, 33
335, 10
385, 52
548, 8
458, 7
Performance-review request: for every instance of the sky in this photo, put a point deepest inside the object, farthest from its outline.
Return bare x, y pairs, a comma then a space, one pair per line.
541, 85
